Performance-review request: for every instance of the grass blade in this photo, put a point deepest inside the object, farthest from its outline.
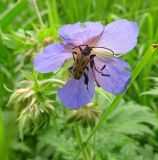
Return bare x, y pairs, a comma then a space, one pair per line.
11, 13
3, 151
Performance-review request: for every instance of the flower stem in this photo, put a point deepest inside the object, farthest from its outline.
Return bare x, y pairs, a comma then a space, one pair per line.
38, 13
79, 135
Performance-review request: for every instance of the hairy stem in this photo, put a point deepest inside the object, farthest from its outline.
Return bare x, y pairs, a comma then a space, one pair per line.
79, 135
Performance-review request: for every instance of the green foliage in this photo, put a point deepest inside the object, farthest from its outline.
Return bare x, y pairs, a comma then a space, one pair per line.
3, 146
121, 136
12, 13
153, 91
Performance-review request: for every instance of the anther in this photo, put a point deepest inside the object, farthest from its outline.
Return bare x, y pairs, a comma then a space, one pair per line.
108, 75
103, 67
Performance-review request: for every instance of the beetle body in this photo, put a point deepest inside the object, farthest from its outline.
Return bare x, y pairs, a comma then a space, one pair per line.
81, 61
80, 65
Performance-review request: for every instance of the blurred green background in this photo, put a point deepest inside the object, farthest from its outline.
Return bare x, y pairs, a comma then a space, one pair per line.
34, 125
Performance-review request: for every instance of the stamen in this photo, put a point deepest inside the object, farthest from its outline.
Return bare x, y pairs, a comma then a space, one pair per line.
103, 74
103, 67
108, 75
92, 64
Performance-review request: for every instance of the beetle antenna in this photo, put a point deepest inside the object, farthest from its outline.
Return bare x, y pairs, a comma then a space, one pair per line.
106, 49
80, 46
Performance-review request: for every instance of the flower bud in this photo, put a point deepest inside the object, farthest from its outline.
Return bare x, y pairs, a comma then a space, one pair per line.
33, 110
47, 40
86, 116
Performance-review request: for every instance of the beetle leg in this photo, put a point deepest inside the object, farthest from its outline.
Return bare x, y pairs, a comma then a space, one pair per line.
95, 79
70, 69
73, 54
92, 56
86, 79
80, 48
93, 66
92, 69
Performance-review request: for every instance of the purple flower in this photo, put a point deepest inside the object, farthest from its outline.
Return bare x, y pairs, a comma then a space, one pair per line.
84, 42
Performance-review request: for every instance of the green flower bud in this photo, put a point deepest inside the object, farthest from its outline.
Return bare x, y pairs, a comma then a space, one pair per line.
86, 116
33, 109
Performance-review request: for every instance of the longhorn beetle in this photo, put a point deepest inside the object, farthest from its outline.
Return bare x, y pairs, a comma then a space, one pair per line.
81, 61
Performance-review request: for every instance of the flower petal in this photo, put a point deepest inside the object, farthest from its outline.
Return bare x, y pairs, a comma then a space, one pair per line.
51, 58
119, 36
116, 77
67, 30
81, 33
75, 94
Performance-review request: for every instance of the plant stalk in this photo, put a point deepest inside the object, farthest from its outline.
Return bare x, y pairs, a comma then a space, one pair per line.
80, 139
38, 13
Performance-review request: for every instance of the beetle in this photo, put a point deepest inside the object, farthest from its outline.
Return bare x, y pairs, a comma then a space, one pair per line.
81, 61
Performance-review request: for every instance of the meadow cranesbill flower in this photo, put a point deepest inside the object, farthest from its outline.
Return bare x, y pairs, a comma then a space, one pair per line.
84, 43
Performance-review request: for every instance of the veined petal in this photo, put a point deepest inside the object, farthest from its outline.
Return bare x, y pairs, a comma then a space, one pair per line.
75, 94
67, 30
119, 36
81, 33
116, 77
52, 57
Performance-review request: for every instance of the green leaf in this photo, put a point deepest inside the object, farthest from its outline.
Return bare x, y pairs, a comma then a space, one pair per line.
153, 91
